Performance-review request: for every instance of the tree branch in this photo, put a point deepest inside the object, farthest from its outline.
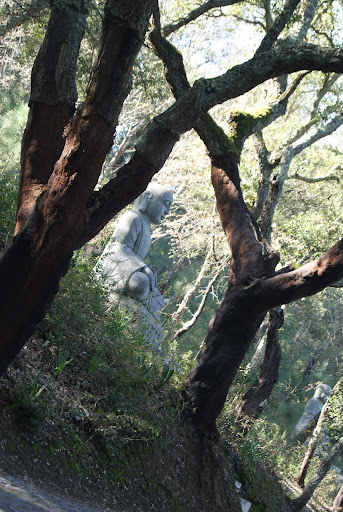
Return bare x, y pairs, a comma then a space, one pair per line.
329, 176
299, 503
321, 132
300, 28
27, 11
278, 26
193, 15
163, 131
328, 82
187, 325
189, 294
303, 282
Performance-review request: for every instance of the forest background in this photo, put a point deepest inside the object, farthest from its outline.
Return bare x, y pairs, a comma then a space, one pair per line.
190, 249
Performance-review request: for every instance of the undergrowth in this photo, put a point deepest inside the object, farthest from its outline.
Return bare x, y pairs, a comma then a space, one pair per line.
89, 385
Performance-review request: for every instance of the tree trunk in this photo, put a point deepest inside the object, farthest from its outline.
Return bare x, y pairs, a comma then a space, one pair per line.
305, 465
317, 434
255, 399
53, 196
300, 502
234, 324
338, 502
253, 289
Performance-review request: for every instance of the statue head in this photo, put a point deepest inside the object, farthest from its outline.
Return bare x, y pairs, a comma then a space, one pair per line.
155, 202
323, 391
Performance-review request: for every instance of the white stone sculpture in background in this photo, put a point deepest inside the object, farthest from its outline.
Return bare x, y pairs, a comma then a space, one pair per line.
122, 264
312, 409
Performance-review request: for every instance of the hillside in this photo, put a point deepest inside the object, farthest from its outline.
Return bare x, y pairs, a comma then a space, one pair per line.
89, 413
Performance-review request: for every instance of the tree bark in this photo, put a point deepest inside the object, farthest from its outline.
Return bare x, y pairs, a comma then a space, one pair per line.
50, 225
253, 289
317, 434
338, 501
234, 324
300, 502
255, 399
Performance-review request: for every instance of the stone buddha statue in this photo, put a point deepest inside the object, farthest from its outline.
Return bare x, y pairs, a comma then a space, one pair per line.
312, 410
122, 262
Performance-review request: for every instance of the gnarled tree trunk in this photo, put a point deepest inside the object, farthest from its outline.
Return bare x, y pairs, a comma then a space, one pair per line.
253, 289
255, 399
59, 165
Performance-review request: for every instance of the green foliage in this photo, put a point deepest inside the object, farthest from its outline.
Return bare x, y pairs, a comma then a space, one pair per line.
127, 394
11, 130
12, 123
29, 410
8, 205
335, 415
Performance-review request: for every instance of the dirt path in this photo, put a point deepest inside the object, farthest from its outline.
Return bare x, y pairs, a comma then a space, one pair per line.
19, 496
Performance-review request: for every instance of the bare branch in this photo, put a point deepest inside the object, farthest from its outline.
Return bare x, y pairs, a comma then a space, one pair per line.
321, 132
328, 82
299, 503
300, 28
307, 140
193, 15
181, 307
186, 326
308, 179
303, 282
26, 12
254, 22
278, 26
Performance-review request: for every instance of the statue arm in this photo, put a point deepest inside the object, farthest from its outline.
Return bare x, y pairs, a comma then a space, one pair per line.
127, 230
126, 234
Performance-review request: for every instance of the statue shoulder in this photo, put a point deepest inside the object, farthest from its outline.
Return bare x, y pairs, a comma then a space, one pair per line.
128, 228
128, 220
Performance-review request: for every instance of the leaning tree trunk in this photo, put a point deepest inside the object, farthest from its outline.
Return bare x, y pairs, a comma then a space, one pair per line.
324, 467
255, 399
317, 435
253, 289
62, 158
338, 502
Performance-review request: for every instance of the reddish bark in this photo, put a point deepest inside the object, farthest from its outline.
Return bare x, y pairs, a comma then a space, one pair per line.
305, 465
41, 146
253, 289
41, 251
53, 196
234, 324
